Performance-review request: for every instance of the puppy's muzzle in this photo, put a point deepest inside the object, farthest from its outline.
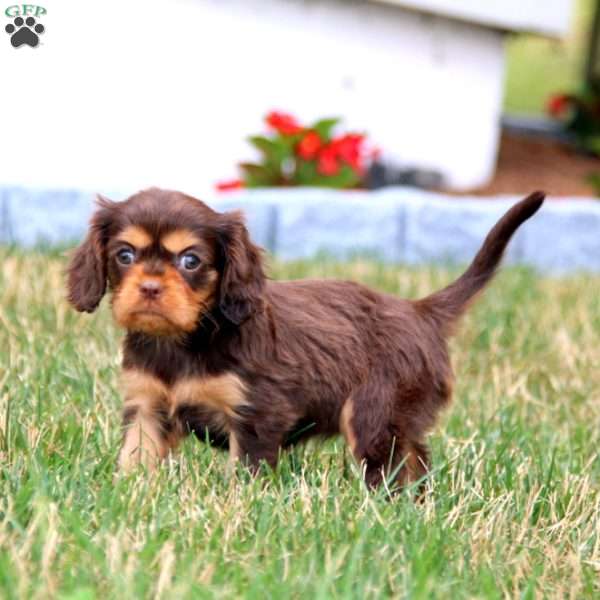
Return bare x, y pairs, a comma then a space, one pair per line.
151, 289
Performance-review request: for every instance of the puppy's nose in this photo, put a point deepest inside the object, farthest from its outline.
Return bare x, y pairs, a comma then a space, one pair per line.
150, 289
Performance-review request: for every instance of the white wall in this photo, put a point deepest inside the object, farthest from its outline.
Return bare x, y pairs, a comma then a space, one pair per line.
122, 95
549, 17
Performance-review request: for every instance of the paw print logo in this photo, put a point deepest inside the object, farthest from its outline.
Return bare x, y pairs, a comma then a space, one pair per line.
24, 32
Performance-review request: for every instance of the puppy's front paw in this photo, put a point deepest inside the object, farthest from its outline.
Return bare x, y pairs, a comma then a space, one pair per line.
136, 458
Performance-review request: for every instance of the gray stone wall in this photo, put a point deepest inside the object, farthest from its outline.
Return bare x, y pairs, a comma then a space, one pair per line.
394, 224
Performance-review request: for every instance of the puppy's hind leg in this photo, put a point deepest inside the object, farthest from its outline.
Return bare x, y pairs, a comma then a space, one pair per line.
252, 446
378, 443
417, 462
365, 423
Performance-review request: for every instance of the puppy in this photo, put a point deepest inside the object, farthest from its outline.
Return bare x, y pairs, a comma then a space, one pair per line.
215, 349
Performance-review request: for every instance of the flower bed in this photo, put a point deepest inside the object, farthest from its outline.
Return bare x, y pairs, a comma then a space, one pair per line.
292, 154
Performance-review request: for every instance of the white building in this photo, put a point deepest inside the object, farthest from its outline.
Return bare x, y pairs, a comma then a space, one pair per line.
122, 95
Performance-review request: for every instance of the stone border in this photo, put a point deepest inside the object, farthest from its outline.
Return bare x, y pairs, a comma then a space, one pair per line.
395, 224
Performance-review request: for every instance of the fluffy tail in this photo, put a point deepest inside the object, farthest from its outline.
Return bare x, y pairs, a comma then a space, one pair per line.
449, 304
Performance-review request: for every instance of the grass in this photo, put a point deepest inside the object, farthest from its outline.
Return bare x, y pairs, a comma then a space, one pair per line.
538, 67
512, 508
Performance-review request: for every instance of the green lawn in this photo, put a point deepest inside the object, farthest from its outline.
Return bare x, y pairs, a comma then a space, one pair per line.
538, 67
512, 508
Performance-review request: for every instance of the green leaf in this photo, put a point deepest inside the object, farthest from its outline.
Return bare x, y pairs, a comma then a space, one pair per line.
324, 128
305, 173
345, 179
274, 150
594, 180
258, 175
592, 143
268, 147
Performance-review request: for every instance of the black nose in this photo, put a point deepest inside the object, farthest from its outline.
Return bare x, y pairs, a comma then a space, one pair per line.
150, 289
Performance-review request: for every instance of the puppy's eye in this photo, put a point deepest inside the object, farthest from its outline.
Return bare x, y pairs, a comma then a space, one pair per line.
189, 261
126, 256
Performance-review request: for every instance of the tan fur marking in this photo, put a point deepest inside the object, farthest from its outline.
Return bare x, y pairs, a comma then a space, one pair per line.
346, 424
412, 466
136, 236
234, 451
143, 442
223, 393
176, 310
140, 385
178, 240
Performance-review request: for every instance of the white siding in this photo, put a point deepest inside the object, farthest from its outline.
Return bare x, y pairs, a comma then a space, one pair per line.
550, 17
122, 95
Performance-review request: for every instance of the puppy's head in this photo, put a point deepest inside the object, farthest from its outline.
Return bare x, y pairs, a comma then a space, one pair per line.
168, 260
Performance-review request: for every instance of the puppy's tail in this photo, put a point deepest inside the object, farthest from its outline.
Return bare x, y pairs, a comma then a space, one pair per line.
447, 305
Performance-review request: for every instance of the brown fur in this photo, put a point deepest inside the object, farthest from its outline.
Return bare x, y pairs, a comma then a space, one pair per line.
256, 365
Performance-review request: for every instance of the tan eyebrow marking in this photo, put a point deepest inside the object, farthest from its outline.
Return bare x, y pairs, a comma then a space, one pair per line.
178, 240
136, 236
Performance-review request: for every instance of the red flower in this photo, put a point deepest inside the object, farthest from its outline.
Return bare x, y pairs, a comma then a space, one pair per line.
228, 186
558, 105
328, 163
284, 123
309, 145
349, 150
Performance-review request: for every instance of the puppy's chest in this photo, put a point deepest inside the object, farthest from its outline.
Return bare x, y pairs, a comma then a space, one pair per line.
219, 396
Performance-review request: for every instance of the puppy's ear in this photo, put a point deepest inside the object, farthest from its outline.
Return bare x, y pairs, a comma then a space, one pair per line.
242, 279
86, 274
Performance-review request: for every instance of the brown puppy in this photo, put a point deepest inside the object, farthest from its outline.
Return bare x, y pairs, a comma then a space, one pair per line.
214, 348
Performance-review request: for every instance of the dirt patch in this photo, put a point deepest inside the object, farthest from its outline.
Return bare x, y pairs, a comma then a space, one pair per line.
527, 163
